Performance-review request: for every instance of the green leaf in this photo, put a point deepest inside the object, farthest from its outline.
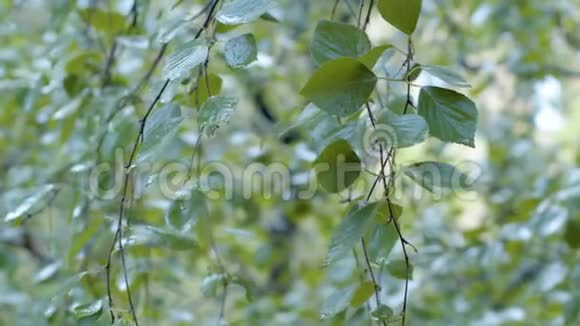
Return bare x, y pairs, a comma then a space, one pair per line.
386, 210
241, 51
451, 116
436, 175
160, 129
402, 14
80, 239
382, 241
271, 18
382, 312
248, 285
84, 63
151, 236
350, 231
177, 216
202, 92
210, 284
36, 198
402, 130
414, 72
216, 112
88, 310
398, 269
73, 85
234, 12
199, 210
184, 59
186, 211
336, 302
397, 105
337, 167
168, 31
340, 87
103, 21
315, 124
48, 272
370, 58
445, 74
333, 40
384, 236
364, 291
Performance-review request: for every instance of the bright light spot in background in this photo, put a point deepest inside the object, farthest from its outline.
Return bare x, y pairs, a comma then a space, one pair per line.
481, 15
548, 94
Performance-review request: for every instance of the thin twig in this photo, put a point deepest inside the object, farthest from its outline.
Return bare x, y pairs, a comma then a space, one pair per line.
377, 287
208, 19
223, 300
369, 12
119, 231
404, 244
350, 8
388, 187
333, 11
151, 69
205, 75
362, 278
360, 12
134, 14
225, 278
128, 167
109, 63
408, 62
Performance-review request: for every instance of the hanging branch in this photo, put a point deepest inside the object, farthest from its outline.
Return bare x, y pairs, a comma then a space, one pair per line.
204, 69
119, 231
388, 187
118, 238
381, 176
